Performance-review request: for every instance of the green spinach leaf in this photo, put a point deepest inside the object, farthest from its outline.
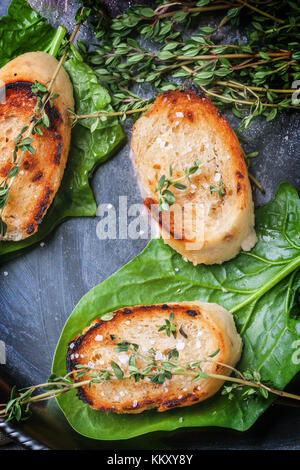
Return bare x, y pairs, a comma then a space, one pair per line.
89, 96
258, 287
22, 30
88, 149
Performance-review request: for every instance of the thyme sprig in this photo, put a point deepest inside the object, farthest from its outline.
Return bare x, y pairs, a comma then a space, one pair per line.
219, 189
169, 326
166, 197
156, 370
39, 120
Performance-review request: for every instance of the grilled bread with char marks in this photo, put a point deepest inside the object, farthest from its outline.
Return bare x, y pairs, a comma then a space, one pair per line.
216, 213
40, 174
201, 329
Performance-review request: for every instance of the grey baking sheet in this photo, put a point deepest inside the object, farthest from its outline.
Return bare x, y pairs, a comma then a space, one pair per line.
39, 290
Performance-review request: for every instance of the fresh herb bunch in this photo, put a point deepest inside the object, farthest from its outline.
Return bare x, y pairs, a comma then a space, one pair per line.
254, 78
157, 370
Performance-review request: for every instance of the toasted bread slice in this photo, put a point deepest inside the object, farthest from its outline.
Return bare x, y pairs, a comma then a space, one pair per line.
201, 330
216, 214
40, 175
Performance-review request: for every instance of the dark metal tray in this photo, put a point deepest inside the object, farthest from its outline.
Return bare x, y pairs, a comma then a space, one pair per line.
39, 290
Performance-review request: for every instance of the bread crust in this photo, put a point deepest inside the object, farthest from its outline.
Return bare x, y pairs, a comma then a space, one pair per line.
208, 327
179, 128
40, 175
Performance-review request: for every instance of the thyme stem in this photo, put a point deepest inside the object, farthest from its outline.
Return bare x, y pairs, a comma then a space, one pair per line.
254, 88
229, 56
108, 114
234, 100
261, 12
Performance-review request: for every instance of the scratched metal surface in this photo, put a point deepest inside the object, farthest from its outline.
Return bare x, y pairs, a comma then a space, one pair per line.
39, 290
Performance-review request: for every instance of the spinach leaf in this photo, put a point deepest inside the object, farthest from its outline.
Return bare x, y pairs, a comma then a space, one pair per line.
88, 149
89, 96
22, 30
258, 287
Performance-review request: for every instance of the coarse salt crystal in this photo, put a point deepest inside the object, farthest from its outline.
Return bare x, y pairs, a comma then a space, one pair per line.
134, 404
98, 338
180, 345
198, 344
71, 345
158, 356
123, 358
217, 177
90, 364
161, 142
77, 355
179, 114
127, 322
72, 357
5, 273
